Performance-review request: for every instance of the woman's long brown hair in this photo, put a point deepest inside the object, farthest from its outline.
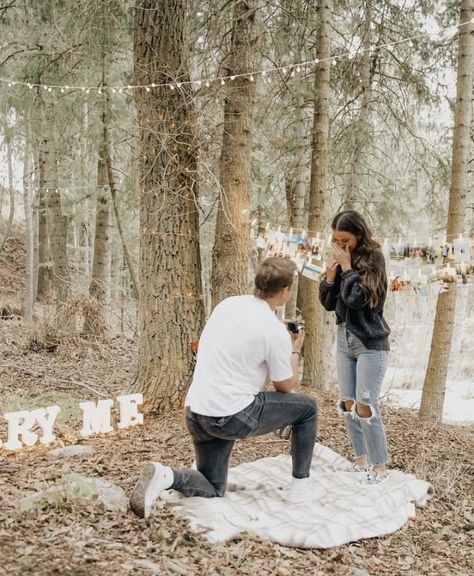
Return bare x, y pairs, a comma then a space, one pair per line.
373, 276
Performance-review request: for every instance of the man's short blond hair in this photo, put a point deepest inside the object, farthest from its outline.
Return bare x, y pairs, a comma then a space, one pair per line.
272, 275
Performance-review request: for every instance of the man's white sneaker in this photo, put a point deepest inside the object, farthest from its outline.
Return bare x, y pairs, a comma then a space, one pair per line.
301, 490
152, 481
372, 477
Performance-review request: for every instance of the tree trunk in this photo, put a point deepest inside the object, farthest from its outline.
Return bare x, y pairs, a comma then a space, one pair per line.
362, 128
434, 386
296, 206
29, 296
57, 224
171, 311
230, 257
118, 219
12, 195
313, 312
95, 323
43, 283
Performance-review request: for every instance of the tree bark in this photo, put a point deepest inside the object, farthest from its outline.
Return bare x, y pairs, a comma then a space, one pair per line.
118, 218
57, 224
171, 311
313, 312
230, 257
29, 297
43, 281
12, 195
362, 128
95, 323
296, 205
434, 387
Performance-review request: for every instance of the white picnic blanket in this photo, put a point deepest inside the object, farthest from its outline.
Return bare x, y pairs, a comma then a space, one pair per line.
342, 510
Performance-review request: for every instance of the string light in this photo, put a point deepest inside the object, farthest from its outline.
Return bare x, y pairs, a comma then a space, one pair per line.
442, 237
222, 79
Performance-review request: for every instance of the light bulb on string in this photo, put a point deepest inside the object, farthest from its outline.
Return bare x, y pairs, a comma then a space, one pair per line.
251, 78
222, 81
232, 77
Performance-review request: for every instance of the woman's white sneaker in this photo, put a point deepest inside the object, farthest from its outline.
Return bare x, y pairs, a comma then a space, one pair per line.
372, 477
153, 479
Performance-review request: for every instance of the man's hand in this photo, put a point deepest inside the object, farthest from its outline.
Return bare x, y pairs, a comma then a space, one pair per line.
298, 340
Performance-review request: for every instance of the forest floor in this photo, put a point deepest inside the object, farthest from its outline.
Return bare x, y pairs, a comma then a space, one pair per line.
79, 537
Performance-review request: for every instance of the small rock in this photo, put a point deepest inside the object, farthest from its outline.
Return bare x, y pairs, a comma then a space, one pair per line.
71, 451
358, 572
76, 487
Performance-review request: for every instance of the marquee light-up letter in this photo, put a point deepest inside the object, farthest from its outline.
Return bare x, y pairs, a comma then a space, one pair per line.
19, 424
45, 417
129, 415
96, 418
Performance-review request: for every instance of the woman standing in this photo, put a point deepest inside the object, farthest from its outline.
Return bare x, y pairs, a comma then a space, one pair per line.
355, 286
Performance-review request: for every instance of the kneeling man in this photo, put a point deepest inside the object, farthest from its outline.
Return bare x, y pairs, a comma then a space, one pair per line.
242, 345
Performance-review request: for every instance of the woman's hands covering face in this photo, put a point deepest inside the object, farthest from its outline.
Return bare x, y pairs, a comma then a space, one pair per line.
342, 256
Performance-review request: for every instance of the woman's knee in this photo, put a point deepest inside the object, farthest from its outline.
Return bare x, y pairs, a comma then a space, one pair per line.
364, 410
348, 405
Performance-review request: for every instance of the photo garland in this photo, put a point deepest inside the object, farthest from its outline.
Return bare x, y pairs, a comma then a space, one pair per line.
410, 265
306, 252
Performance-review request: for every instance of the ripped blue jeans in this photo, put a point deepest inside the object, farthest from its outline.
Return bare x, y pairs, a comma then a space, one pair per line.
360, 372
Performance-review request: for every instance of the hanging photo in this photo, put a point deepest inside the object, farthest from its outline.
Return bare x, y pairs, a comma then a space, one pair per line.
313, 271
398, 250
274, 242
461, 250
290, 245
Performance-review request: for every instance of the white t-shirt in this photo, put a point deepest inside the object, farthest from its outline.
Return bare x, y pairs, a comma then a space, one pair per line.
242, 345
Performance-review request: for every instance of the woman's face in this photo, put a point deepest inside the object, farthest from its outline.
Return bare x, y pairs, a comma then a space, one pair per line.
345, 240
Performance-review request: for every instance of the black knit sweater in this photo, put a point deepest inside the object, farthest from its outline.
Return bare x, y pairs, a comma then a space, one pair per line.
350, 300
